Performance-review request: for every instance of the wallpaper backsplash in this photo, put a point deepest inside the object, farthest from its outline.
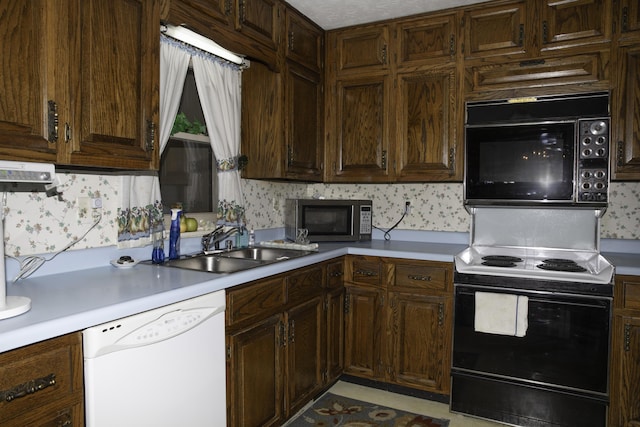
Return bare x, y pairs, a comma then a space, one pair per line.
36, 224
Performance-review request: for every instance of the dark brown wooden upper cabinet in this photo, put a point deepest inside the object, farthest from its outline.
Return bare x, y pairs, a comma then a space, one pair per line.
422, 40
220, 10
361, 49
628, 20
114, 123
625, 110
81, 87
571, 23
28, 81
497, 30
304, 41
529, 28
260, 20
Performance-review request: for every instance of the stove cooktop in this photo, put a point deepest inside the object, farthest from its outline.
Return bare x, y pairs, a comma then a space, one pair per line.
535, 263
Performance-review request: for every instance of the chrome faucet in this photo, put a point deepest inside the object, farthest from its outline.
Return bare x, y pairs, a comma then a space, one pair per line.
218, 235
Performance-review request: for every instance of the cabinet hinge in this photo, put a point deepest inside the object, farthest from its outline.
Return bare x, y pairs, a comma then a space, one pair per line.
292, 331
625, 20
283, 334
452, 45
53, 122
67, 132
521, 36
228, 352
227, 7
289, 155
151, 136
384, 159
384, 54
620, 153
347, 304
627, 337
440, 314
545, 32
452, 161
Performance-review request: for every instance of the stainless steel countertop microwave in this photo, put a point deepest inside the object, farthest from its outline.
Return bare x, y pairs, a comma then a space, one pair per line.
329, 220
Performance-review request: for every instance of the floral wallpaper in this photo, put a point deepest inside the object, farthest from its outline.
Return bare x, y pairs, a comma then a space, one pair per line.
36, 224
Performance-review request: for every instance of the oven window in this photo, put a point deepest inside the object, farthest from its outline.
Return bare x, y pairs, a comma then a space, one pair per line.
524, 162
566, 343
328, 220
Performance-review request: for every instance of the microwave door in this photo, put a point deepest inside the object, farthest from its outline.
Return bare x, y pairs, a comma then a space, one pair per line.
328, 221
520, 163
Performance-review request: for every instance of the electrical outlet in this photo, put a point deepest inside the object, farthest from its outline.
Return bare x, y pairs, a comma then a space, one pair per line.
87, 207
83, 204
407, 207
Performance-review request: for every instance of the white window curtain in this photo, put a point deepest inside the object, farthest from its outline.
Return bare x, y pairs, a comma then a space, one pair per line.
140, 211
219, 88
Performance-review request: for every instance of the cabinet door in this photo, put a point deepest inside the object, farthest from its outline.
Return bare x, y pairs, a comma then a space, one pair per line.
420, 344
626, 373
304, 353
361, 49
255, 370
361, 150
426, 120
364, 335
115, 115
305, 124
220, 10
574, 22
28, 74
335, 333
498, 30
426, 40
259, 19
625, 105
628, 20
304, 41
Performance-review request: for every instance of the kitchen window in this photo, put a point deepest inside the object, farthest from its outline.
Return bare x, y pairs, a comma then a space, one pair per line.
187, 165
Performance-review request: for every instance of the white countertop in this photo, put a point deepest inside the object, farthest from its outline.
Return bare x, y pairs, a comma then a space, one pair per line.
68, 301
71, 301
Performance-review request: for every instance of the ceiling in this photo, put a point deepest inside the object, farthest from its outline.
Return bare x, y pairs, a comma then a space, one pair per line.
331, 14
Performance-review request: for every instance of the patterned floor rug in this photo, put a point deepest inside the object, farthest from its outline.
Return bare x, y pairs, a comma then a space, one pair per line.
334, 410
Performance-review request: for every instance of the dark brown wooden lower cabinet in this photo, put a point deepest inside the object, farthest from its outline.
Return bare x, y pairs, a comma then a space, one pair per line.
624, 410
41, 384
276, 343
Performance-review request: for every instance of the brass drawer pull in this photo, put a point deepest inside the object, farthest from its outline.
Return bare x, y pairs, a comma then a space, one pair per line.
366, 273
27, 388
419, 277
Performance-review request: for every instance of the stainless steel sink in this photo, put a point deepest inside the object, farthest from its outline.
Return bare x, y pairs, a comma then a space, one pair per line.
213, 263
263, 254
235, 260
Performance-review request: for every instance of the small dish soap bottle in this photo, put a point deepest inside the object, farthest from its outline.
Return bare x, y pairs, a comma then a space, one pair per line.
174, 234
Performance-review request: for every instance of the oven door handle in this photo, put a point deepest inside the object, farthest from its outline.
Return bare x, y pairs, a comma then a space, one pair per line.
548, 298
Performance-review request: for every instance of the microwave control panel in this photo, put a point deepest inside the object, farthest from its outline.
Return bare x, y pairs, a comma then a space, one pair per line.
593, 160
365, 219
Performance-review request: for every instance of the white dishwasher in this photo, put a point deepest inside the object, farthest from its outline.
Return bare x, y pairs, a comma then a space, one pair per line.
163, 367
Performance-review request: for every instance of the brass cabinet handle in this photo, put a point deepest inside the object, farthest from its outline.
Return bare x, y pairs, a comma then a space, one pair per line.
419, 277
27, 388
53, 122
336, 274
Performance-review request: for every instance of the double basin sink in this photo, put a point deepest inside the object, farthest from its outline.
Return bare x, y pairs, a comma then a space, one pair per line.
234, 260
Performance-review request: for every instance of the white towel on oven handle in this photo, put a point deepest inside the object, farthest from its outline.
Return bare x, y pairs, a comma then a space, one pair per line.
501, 314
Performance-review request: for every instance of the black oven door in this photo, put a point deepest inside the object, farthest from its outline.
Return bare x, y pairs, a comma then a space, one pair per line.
566, 343
520, 163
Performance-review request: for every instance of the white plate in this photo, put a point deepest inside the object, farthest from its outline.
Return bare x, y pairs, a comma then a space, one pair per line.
114, 262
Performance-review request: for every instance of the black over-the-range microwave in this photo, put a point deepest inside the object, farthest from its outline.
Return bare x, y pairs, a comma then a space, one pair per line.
538, 150
329, 220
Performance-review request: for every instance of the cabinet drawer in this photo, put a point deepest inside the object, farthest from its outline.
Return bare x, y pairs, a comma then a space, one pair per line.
433, 276
303, 285
366, 270
255, 300
37, 376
